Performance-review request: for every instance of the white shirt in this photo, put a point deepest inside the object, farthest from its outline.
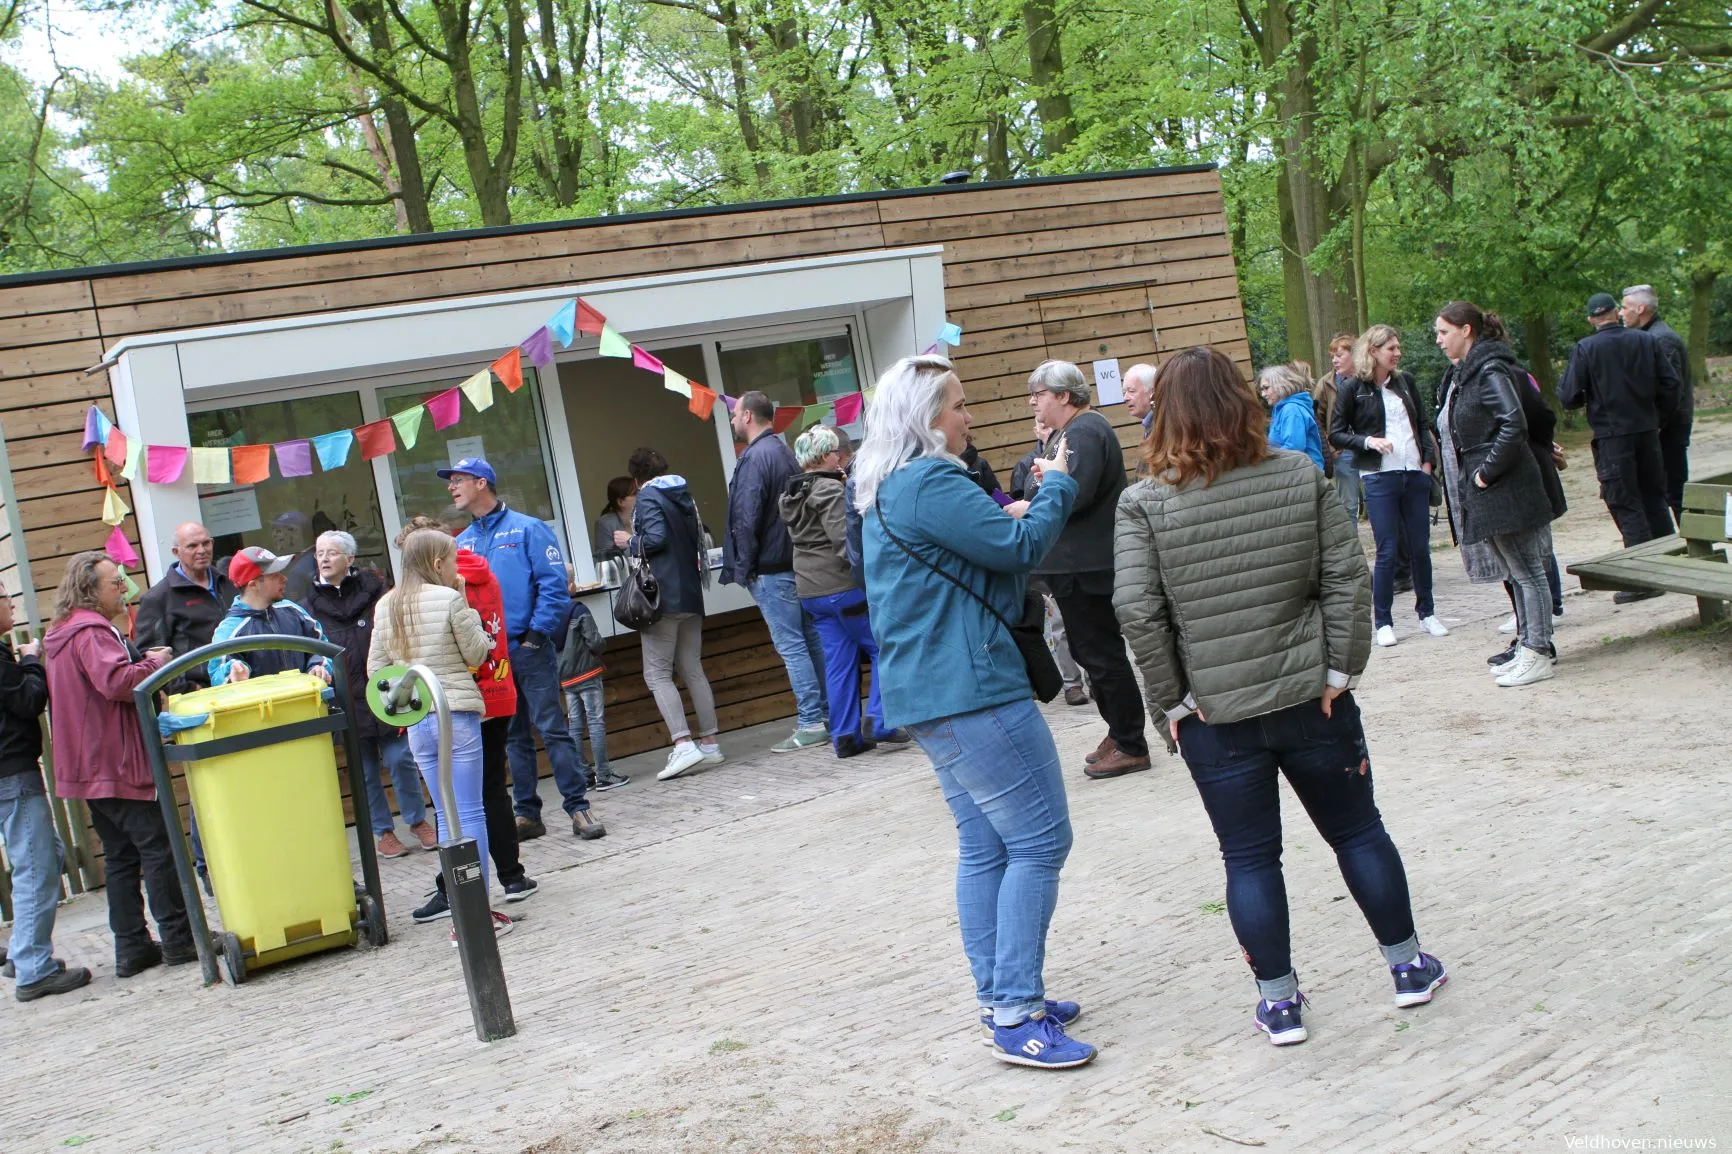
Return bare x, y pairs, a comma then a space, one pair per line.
1399, 429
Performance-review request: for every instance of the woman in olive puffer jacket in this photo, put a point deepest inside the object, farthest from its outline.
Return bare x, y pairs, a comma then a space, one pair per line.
1242, 589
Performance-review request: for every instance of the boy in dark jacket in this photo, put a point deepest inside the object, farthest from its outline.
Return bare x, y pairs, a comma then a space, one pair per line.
580, 644
260, 575
27, 823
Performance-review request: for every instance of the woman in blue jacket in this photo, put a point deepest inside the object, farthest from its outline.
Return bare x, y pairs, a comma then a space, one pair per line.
943, 564
1286, 390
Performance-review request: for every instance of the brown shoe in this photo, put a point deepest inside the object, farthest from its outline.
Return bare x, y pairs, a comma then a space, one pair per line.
529, 828
1076, 695
1116, 764
1106, 746
425, 832
390, 846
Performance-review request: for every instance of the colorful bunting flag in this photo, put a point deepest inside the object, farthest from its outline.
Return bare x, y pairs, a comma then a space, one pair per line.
408, 424
816, 413
930, 350
134, 460
785, 416
703, 402
252, 464
333, 449
114, 510
164, 464
730, 402
588, 319
445, 408
479, 390
614, 345
563, 324
119, 548
848, 408
539, 348
376, 439
648, 363
675, 383
115, 448
295, 458
950, 334
97, 426
509, 370
102, 476
211, 466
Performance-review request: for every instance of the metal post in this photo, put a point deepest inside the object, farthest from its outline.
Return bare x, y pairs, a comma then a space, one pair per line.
460, 862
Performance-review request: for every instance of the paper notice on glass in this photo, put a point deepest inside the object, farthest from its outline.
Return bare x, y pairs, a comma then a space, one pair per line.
458, 448
1729, 516
1108, 382
228, 513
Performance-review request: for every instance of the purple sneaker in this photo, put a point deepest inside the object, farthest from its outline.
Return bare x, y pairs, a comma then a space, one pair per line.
1416, 981
1280, 1020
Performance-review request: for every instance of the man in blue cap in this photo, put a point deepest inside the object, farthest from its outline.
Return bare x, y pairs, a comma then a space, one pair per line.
526, 561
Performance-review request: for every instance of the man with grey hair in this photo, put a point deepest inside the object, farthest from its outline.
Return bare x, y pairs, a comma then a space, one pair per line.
1140, 394
342, 600
1079, 567
1641, 310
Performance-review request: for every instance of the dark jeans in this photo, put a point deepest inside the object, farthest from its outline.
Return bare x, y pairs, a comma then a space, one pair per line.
1400, 507
1237, 765
1633, 485
1675, 459
541, 707
496, 804
1092, 630
135, 846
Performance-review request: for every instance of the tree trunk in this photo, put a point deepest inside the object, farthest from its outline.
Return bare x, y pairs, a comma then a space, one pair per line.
1538, 339
399, 135
1046, 71
489, 172
1701, 296
742, 94
1295, 304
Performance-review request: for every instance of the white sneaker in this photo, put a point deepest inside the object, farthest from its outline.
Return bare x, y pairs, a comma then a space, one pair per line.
685, 755
1508, 626
1434, 627
1385, 635
1528, 667
712, 754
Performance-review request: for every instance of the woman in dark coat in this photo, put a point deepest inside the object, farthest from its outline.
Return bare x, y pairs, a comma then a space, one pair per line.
1504, 502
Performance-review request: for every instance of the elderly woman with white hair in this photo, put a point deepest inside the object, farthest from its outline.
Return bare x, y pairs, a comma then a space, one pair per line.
946, 575
342, 601
1286, 389
814, 506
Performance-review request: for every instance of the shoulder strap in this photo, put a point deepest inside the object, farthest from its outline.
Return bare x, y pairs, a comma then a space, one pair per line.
984, 603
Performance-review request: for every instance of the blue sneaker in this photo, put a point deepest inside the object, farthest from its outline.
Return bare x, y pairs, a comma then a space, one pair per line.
1064, 1013
1417, 981
1040, 1042
1280, 1020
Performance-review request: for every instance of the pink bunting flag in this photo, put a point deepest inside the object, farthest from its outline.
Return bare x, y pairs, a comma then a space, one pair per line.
539, 348
589, 320
294, 458
447, 407
164, 463
644, 361
119, 548
115, 448
848, 408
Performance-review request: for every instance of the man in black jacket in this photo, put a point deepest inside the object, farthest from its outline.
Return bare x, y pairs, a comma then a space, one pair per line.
1079, 568
1621, 375
758, 553
182, 610
1641, 310
27, 822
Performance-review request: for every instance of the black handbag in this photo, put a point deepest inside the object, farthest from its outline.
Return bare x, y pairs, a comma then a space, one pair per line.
638, 604
1029, 634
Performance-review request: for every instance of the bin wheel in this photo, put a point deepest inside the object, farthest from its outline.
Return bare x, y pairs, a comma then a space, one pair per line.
374, 919
234, 958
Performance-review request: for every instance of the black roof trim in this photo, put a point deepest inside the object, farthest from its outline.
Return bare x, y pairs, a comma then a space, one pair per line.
91, 272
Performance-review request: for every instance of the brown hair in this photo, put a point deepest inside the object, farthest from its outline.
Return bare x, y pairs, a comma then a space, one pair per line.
1467, 315
415, 524
423, 550
1339, 341
79, 587
645, 464
1207, 421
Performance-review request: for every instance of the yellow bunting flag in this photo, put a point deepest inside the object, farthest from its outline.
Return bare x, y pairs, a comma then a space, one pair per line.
211, 466
408, 424
114, 510
479, 390
675, 383
614, 345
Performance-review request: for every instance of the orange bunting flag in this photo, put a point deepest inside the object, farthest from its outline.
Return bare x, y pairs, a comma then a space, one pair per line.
785, 417
252, 464
509, 370
703, 402
103, 477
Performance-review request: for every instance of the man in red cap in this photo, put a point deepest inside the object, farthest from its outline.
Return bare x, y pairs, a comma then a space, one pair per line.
260, 609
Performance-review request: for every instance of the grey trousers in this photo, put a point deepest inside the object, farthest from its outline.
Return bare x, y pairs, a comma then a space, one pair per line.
1524, 557
677, 642
1068, 669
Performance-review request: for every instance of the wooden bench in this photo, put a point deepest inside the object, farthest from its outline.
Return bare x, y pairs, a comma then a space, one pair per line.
1693, 561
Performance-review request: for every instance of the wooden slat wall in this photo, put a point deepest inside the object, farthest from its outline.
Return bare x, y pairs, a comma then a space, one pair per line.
1133, 266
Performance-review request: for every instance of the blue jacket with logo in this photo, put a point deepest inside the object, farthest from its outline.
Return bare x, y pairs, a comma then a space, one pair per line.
525, 558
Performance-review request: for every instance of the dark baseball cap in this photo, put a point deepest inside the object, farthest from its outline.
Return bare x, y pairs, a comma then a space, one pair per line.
1600, 304
475, 467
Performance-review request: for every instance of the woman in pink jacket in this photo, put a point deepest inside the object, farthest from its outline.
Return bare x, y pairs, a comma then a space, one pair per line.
99, 757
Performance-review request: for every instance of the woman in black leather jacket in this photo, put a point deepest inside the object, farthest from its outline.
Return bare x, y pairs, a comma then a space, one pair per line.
1504, 502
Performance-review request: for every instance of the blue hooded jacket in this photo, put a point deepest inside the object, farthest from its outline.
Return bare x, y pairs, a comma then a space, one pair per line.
1293, 425
525, 558
242, 620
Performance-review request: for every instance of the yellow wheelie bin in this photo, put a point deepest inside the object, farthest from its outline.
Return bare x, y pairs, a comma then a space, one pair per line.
271, 822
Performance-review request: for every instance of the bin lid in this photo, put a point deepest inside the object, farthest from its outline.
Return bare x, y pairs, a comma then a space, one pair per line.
275, 688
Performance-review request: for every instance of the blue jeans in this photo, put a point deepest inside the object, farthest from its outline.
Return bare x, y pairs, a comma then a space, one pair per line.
465, 776
999, 771
33, 848
541, 707
796, 642
1400, 506
1347, 484
583, 710
1237, 766
394, 752
845, 633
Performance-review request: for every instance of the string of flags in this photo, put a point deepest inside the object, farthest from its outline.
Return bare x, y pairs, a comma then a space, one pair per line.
112, 450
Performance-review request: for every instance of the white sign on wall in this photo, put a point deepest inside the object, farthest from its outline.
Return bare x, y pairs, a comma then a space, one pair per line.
1108, 381
458, 448
233, 512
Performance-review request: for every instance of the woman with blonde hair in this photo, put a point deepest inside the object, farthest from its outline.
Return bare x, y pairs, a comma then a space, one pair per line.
1241, 587
1378, 417
1286, 389
426, 620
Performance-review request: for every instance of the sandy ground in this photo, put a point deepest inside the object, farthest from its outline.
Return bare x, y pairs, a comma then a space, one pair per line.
763, 957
